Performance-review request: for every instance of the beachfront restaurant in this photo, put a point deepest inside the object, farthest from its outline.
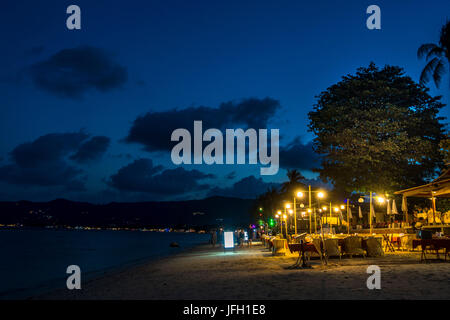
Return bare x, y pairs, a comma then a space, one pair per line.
439, 188
430, 236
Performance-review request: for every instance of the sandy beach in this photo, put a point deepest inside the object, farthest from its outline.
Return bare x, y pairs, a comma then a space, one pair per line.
253, 273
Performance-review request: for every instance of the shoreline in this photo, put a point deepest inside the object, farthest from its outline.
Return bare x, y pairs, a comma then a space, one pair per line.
204, 273
52, 285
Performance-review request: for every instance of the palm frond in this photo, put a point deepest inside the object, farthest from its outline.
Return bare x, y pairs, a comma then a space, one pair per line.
436, 51
424, 49
428, 70
439, 71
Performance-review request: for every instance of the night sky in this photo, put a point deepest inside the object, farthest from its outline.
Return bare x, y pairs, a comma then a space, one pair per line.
87, 114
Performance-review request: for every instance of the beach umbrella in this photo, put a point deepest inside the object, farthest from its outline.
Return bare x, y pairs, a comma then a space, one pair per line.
341, 216
360, 212
372, 211
394, 207
404, 205
389, 211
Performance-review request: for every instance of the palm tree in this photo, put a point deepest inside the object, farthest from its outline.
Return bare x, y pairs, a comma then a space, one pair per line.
294, 177
436, 54
268, 201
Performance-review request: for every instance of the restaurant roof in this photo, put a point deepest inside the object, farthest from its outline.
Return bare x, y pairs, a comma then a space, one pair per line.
439, 187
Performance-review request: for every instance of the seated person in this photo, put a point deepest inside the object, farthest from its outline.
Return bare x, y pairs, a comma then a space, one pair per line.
417, 224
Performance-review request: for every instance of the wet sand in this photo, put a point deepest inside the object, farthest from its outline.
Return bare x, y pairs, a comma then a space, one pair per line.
253, 273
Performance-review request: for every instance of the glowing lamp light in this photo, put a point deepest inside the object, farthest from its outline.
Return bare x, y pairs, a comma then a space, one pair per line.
309, 210
277, 216
228, 240
361, 200
284, 216
300, 194
324, 208
291, 211
380, 199
321, 194
302, 205
288, 205
336, 209
342, 207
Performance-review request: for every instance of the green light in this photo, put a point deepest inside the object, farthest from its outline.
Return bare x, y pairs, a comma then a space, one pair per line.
271, 222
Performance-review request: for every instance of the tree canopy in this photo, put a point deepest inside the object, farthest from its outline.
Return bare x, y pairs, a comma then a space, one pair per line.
378, 131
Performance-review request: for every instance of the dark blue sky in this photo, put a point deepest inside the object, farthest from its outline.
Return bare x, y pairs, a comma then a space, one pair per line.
156, 56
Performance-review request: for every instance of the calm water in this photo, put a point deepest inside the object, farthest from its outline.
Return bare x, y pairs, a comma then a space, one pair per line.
35, 260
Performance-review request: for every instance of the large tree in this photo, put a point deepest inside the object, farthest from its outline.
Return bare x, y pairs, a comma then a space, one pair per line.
437, 57
378, 131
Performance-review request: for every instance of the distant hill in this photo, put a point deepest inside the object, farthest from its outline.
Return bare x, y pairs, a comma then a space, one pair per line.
209, 211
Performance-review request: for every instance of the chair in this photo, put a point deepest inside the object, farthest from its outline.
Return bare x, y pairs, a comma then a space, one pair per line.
279, 247
406, 241
374, 247
332, 248
353, 246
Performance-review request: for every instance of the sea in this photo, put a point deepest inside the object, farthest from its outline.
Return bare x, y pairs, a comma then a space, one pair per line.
35, 260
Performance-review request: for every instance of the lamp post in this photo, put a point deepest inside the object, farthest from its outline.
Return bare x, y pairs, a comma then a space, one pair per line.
287, 207
300, 194
348, 219
278, 216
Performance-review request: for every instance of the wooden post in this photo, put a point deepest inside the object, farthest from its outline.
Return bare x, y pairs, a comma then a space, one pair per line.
348, 220
329, 224
433, 200
295, 214
315, 221
370, 213
310, 210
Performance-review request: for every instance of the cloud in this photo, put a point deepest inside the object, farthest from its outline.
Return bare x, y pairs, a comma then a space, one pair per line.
43, 162
143, 176
153, 129
297, 155
92, 149
71, 72
231, 175
246, 188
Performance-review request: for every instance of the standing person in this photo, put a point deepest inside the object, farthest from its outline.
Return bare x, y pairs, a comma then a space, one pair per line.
250, 236
241, 237
213, 238
220, 237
